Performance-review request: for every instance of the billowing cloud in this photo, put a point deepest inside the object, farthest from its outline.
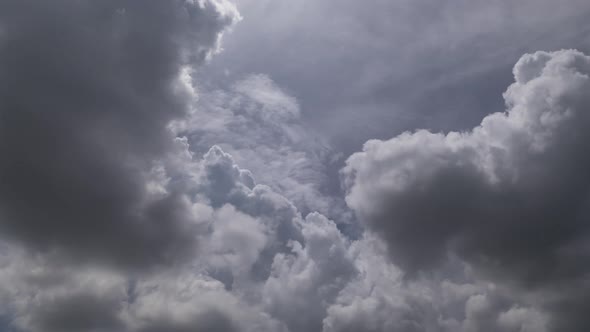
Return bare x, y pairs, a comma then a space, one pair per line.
260, 266
87, 92
510, 196
136, 198
40, 295
302, 285
250, 241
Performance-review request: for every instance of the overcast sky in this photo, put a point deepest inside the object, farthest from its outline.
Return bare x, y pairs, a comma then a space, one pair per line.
294, 166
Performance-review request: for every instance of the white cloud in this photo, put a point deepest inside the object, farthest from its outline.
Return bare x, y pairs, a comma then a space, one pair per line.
259, 124
302, 284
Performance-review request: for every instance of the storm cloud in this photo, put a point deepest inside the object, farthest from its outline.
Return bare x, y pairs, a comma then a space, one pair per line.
87, 91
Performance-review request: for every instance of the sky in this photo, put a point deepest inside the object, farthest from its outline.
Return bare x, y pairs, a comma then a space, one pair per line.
294, 166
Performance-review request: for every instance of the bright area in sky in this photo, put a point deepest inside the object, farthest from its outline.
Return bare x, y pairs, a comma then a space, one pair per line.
294, 166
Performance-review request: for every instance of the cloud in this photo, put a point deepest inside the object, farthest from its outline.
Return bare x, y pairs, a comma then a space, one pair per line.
42, 293
395, 59
136, 199
260, 266
44, 297
192, 303
303, 283
86, 96
509, 196
379, 298
260, 125
250, 239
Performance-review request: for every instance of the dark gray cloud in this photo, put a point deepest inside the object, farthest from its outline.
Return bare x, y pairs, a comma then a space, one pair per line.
87, 91
79, 312
510, 196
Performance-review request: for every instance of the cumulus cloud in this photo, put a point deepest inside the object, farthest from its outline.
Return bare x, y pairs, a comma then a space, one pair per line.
260, 266
135, 199
302, 285
86, 95
41, 296
251, 241
509, 196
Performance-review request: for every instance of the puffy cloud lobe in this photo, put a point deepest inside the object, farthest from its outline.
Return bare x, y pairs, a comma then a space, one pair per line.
376, 299
523, 320
235, 242
87, 92
380, 299
510, 196
44, 297
301, 286
190, 302
41, 293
